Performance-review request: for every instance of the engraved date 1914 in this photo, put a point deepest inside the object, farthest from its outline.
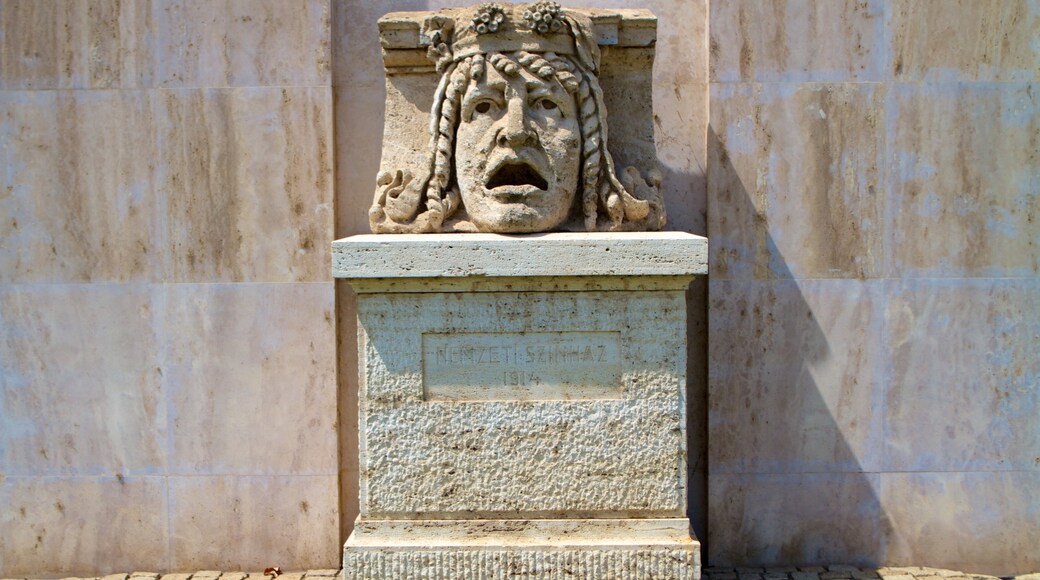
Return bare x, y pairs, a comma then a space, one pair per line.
518, 378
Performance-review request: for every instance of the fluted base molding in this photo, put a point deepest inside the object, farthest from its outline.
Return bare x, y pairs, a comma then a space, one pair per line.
551, 549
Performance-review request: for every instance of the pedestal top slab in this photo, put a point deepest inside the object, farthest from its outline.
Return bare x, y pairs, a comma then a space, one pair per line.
496, 255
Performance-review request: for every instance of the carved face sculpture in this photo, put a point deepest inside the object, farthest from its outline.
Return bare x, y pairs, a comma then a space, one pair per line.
518, 152
518, 136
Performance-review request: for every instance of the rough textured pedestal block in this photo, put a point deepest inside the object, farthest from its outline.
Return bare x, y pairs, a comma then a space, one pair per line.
522, 405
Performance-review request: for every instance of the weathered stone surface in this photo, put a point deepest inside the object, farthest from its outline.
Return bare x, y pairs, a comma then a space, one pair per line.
996, 40
794, 210
55, 335
816, 572
557, 366
917, 504
42, 516
523, 455
517, 123
490, 255
899, 571
603, 548
519, 430
240, 364
977, 193
620, 562
241, 508
797, 40
263, 210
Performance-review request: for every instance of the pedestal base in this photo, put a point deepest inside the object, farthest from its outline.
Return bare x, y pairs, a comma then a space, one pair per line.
477, 549
537, 383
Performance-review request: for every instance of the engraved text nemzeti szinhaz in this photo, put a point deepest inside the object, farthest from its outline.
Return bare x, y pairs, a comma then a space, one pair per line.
522, 366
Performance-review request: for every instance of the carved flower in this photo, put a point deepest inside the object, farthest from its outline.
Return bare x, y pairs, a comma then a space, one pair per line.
488, 18
438, 30
544, 17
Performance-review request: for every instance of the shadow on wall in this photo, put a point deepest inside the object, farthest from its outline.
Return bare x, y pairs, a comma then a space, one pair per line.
697, 408
793, 413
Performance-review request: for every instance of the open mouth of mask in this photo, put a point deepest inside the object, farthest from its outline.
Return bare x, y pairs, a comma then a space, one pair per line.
516, 174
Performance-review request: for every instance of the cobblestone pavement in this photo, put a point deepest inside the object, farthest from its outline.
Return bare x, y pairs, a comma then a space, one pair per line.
212, 575
838, 572
834, 572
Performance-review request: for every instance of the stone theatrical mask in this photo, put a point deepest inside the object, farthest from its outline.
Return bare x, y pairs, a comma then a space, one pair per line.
518, 133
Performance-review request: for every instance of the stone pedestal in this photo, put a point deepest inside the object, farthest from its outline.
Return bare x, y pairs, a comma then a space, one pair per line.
522, 405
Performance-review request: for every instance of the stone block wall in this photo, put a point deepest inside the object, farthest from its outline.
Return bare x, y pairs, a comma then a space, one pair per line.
874, 217
172, 172
167, 314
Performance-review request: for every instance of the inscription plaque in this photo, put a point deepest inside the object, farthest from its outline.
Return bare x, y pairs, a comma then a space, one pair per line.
521, 366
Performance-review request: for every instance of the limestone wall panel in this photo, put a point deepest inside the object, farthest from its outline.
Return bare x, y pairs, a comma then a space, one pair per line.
797, 40
966, 506
963, 40
963, 180
238, 522
50, 526
249, 394
922, 189
150, 149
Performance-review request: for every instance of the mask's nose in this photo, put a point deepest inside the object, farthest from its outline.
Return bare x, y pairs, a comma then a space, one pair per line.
516, 130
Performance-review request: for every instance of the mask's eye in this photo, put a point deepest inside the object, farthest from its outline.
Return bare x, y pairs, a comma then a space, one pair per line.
547, 104
482, 107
